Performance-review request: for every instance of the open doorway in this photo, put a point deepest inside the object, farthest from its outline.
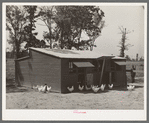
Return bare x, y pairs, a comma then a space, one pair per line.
81, 76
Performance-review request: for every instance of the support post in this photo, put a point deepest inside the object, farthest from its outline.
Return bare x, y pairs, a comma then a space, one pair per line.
110, 75
102, 71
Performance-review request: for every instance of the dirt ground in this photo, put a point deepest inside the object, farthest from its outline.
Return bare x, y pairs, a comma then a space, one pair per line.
117, 98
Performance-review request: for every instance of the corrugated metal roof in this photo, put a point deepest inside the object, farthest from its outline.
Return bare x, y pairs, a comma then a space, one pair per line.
120, 63
71, 53
83, 64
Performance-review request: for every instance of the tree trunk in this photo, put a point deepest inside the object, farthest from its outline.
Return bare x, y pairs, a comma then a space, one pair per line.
16, 57
50, 38
61, 39
80, 31
122, 54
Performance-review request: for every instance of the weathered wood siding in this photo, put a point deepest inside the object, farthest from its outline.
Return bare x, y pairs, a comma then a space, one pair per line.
119, 75
41, 69
23, 72
120, 79
68, 79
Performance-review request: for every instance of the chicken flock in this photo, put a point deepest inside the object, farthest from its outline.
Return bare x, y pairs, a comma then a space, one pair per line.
95, 88
42, 88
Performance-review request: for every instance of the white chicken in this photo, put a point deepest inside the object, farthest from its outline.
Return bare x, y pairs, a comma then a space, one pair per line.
44, 89
87, 88
35, 87
110, 86
81, 88
40, 88
95, 89
133, 86
103, 87
48, 89
130, 87
70, 89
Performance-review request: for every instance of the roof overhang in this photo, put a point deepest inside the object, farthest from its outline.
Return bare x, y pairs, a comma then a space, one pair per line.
116, 57
120, 62
83, 64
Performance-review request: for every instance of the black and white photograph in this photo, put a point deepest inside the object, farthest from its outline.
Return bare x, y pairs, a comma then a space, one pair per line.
74, 61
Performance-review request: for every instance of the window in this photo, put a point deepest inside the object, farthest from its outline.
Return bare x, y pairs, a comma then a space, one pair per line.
72, 69
70, 65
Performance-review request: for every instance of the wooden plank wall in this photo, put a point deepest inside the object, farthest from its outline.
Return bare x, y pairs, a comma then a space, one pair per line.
120, 79
67, 79
41, 69
23, 73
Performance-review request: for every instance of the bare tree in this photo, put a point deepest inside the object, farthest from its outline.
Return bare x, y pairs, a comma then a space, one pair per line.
122, 44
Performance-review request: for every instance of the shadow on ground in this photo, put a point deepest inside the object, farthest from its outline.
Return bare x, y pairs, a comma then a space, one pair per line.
12, 88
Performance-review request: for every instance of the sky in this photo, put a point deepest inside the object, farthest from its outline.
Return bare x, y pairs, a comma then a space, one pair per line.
130, 17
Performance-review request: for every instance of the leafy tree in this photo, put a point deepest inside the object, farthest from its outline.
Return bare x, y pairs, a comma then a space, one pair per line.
98, 25
122, 44
141, 58
128, 58
31, 17
70, 21
15, 22
46, 15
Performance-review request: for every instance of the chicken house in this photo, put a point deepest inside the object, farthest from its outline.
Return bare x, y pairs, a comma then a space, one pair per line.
66, 68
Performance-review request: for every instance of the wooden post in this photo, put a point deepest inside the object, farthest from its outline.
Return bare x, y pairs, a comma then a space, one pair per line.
97, 66
85, 77
102, 71
110, 75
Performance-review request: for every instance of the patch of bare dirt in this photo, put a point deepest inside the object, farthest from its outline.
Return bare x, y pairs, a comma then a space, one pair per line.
25, 98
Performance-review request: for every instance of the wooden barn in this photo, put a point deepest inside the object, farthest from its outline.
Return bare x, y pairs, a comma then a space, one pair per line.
63, 68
